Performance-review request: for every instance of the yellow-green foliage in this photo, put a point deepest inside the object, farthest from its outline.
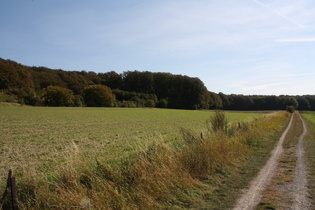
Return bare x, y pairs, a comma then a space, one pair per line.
310, 116
159, 177
6, 98
204, 156
58, 96
309, 146
99, 96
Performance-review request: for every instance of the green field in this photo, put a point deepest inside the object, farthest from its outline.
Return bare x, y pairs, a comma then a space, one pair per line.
310, 116
39, 138
309, 151
118, 158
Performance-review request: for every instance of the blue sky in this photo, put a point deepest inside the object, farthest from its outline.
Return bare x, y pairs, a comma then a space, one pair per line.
234, 46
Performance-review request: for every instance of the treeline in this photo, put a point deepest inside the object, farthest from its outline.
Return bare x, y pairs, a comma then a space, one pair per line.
131, 88
44, 86
258, 102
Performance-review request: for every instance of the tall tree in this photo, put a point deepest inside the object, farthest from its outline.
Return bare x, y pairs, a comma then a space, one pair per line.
99, 96
58, 96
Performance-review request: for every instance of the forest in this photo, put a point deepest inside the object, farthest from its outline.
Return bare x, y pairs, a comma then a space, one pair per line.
42, 86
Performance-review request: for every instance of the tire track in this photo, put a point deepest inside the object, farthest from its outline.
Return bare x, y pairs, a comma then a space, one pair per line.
299, 189
251, 197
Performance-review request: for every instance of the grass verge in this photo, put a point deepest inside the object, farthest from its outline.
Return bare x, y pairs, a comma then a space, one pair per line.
309, 146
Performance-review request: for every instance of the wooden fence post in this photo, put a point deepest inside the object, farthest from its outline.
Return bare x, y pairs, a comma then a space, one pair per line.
13, 194
7, 187
11, 185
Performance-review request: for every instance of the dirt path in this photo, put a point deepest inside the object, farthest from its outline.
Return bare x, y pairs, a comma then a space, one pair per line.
296, 190
299, 188
252, 195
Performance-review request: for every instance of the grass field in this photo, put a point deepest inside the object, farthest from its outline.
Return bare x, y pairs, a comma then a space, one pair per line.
111, 158
35, 138
309, 151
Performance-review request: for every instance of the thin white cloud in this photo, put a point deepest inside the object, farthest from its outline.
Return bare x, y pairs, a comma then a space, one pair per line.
281, 14
309, 39
299, 75
294, 89
264, 86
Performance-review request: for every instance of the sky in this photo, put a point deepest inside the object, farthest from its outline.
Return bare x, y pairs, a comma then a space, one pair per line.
250, 47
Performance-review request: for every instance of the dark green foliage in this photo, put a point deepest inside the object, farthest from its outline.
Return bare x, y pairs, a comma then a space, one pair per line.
149, 103
162, 103
134, 88
303, 102
111, 79
259, 102
291, 102
99, 96
127, 104
58, 96
290, 108
134, 99
6, 98
182, 91
78, 101
27, 83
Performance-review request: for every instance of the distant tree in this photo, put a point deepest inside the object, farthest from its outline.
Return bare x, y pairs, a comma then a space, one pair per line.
78, 101
290, 108
162, 84
99, 96
291, 101
4, 97
149, 103
58, 96
311, 100
133, 88
225, 100
137, 81
304, 104
138, 101
206, 101
217, 101
162, 103
272, 103
111, 79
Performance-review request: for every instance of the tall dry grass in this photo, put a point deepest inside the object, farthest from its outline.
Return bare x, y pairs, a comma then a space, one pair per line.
161, 177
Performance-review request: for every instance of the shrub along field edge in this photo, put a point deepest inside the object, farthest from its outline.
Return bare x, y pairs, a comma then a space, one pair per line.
208, 171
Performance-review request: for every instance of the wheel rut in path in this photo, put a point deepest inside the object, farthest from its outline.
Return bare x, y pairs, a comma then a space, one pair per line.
297, 190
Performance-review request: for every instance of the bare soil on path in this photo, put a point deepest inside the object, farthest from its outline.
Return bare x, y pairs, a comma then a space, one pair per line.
282, 182
299, 190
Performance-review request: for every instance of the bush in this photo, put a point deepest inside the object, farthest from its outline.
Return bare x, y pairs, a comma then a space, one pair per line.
290, 109
99, 96
219, 122
58, 96
128, 104
6, 98
78, 101
162, 103
149, 103
291, 104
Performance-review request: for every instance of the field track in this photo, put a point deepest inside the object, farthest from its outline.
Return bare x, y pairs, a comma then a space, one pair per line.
296, 190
